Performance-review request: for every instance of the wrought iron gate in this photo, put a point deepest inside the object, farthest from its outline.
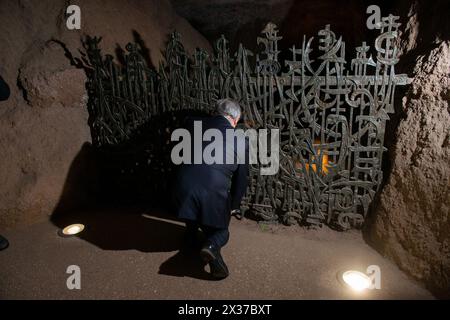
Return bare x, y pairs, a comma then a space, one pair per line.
331, 115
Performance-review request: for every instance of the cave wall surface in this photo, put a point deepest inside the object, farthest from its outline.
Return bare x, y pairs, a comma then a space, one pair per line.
44, 136
241, 21
411, 221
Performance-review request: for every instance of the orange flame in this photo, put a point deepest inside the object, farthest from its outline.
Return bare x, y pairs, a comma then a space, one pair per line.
323, 166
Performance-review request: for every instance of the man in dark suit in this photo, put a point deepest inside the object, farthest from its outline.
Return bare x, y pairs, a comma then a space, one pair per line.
4, 94
205, 195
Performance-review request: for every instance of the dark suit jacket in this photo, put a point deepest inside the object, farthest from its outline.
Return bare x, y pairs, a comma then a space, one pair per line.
207, 193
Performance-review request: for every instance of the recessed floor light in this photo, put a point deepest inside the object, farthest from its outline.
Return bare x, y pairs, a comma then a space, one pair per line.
355, 280
72, 229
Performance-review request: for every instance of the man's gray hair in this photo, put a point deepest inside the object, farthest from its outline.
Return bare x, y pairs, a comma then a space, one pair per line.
228, 107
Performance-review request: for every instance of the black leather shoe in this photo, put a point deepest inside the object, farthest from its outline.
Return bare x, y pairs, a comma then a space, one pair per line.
210, 254
3, 243
219, 269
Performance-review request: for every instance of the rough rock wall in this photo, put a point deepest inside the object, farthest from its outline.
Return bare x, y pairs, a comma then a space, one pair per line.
44, 137
411, 221
239, 20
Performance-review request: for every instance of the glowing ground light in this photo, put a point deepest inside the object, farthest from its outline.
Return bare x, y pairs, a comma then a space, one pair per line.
356, 280
72, 229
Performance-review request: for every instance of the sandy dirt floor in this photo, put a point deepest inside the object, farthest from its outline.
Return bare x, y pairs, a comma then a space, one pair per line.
135, 254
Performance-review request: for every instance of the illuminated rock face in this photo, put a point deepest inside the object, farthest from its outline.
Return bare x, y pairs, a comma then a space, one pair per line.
411, 222
44, 137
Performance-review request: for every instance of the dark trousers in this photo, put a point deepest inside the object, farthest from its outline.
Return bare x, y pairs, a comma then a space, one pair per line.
217, 236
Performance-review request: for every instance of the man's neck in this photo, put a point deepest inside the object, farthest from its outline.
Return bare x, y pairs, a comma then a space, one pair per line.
229, 120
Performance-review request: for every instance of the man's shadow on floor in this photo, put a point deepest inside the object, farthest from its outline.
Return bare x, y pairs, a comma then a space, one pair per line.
134, 229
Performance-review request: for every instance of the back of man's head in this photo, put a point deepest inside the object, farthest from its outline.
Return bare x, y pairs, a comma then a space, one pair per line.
228, 107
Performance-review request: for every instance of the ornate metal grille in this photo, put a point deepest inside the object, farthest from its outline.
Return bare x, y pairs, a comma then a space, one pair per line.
331, 116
